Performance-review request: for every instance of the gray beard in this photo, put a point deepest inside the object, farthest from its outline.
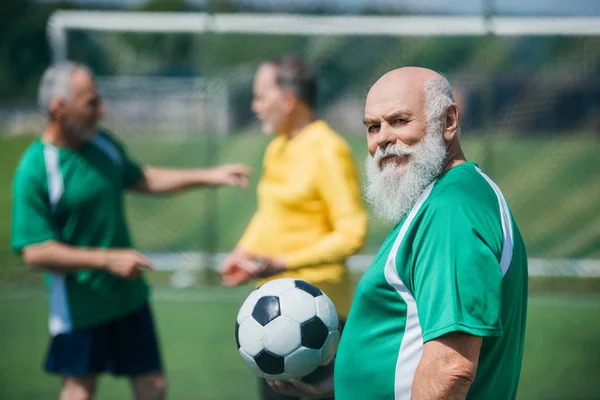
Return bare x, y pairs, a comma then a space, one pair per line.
392, 193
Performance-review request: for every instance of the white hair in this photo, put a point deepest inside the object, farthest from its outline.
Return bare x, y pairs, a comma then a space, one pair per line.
438, 96
57, 83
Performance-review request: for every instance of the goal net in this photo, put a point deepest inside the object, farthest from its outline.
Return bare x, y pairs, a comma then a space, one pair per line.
178, 89
172, 107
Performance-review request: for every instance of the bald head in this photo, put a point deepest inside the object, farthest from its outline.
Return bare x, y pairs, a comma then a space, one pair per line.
403, 88
407, 80
403, 102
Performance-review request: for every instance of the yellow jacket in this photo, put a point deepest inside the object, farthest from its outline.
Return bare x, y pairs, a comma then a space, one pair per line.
310, 212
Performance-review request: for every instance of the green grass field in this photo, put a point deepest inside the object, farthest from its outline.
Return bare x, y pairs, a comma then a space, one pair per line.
196, 327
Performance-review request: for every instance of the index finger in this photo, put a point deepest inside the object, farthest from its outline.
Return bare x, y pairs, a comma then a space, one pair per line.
243, 182
144, 262
242, 169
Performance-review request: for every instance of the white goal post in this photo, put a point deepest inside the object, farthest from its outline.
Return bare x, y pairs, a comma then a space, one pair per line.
286, 24
61, 22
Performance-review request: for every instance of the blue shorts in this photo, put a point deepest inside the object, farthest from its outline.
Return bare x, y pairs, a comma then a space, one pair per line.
124, 347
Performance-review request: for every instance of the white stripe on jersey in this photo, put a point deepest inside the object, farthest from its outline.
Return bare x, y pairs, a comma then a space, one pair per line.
411, 346
59, 320
507, 228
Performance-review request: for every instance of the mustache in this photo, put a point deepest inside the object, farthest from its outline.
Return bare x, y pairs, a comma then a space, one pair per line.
393, 150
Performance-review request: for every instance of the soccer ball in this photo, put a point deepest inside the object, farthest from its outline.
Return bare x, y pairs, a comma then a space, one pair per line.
287, 328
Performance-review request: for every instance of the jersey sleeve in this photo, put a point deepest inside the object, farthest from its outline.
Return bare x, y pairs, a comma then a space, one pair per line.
457, 280
131, 169
31, 214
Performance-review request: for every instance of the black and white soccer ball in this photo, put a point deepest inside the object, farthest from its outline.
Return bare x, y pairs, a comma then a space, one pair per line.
287, 328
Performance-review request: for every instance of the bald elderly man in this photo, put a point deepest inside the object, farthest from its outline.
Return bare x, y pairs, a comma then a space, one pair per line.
440, 313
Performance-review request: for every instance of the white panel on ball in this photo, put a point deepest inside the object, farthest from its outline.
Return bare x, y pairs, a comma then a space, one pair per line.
250, 363
298, 305
282, 336
251, 337
330, 347
248, 306
302, 362
277, 287
326, 312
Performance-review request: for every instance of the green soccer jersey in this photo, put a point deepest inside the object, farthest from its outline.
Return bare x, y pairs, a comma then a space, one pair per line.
76, 197
455, 262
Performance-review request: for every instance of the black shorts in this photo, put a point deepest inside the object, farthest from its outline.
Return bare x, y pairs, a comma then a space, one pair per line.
124, 347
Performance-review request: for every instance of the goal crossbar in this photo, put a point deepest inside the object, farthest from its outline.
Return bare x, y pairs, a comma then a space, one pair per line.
310, 25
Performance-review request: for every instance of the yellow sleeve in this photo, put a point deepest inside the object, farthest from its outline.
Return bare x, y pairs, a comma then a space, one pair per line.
340, 189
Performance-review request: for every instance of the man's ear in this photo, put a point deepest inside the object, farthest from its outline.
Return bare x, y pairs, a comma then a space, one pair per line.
57, 107
451, 124
290, 101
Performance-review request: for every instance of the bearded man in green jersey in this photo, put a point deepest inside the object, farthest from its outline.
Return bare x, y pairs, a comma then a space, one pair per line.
440, 313
69, 220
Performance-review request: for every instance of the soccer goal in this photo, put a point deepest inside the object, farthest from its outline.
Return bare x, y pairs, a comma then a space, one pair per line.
528, 88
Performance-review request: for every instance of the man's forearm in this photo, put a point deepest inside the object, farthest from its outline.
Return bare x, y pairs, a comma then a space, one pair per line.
165, 180
447, 368
439, 384
334, 247
64, 258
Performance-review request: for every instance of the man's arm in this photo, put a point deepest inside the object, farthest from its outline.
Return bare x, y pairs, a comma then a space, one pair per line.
60, 257
166, 180
447, 367
457, 283
155, 180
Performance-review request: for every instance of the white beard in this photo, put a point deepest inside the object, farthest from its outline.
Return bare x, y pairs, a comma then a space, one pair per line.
393, 190
267, 129
271, 128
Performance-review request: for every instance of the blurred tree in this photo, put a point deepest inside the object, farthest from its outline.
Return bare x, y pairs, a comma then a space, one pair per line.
165, 6
224, 6
24, 52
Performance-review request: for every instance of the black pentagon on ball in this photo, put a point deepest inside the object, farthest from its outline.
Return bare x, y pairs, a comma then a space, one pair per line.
314, 333
266, 309
269, 363
237, 334
308, 288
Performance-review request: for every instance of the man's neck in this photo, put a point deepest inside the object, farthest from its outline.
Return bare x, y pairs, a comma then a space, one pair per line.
455, 156
300, 121
55, 136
